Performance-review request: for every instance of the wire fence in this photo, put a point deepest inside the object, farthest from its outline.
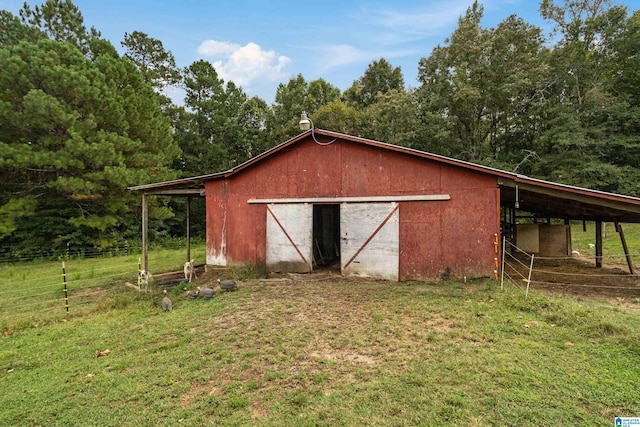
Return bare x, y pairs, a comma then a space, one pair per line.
577, 274
39, 291
53, 290
38, 288
17, 255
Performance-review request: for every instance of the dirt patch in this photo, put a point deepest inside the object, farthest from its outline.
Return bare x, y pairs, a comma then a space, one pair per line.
258, 409
561, 276
326, 322
341, 356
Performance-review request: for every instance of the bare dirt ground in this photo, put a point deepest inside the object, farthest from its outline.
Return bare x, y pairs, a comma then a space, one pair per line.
578, 277
560, 276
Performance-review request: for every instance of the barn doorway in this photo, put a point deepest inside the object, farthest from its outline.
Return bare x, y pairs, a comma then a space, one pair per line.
326, 236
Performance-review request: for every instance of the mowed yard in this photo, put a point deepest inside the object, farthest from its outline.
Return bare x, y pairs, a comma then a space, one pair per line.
325, 350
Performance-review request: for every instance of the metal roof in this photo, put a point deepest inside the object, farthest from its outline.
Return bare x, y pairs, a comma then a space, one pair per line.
539, 197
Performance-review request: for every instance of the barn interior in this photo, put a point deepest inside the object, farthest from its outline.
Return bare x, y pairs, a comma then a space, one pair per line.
326, 236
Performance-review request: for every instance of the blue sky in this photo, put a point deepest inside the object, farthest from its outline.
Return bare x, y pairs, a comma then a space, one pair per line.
259, 44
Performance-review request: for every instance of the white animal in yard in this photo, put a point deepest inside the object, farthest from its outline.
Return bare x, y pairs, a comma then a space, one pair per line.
189, 271
143, 276
166, 302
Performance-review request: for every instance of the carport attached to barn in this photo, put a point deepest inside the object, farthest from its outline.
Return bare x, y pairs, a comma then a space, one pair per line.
542, 201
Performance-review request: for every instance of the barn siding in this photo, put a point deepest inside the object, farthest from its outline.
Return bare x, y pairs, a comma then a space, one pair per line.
217, 220
434, 235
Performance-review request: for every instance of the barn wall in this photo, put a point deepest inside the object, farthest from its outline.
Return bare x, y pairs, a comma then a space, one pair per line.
544, 239
458, 234
434, 235
217, 220
555, 240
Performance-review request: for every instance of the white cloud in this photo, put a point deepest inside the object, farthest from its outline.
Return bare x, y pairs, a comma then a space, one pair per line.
244, 64
216, 48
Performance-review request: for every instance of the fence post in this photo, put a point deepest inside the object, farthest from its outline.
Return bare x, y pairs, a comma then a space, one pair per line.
504, 249
64, 283
139, 274
529, 278
495, 256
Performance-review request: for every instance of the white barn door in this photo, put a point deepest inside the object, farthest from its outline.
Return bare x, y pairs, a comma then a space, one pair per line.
370, 239
290, 237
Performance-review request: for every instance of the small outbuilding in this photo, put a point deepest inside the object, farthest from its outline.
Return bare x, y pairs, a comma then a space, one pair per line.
324, 199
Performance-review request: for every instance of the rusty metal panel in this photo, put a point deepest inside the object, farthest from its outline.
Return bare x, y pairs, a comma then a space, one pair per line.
368, 172
455, 236
289, 238
217, 221
243, 229
469, 225
369, 234
421, 240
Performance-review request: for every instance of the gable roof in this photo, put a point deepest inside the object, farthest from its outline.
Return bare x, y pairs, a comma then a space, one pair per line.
539, 197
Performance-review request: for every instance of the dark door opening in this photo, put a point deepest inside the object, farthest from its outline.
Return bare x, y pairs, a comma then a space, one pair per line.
326, 236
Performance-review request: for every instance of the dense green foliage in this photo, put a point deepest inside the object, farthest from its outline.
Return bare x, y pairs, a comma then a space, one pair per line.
79, 123
76, 132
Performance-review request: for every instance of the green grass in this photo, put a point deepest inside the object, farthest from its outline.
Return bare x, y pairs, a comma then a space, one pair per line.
613, 253
330, 352
33, 293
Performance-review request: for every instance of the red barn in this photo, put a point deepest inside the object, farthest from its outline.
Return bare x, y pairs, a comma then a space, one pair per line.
375, 209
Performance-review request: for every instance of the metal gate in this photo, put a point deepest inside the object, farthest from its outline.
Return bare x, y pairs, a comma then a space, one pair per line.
290, 237
370, 239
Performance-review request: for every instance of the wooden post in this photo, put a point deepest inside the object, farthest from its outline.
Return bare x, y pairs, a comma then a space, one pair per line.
514, 230
598, 244
64, 284
504, 242
526, 294
188, 228
496, 248
145, 236
624, 246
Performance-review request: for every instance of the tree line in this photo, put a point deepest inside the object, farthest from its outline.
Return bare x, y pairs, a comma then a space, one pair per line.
80, 123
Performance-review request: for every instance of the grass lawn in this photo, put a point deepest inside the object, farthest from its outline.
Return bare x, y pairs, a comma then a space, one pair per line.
583, 240
33, 293
316, 350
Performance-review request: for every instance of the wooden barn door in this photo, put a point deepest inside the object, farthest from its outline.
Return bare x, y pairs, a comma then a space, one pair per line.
370, 239
289, 237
